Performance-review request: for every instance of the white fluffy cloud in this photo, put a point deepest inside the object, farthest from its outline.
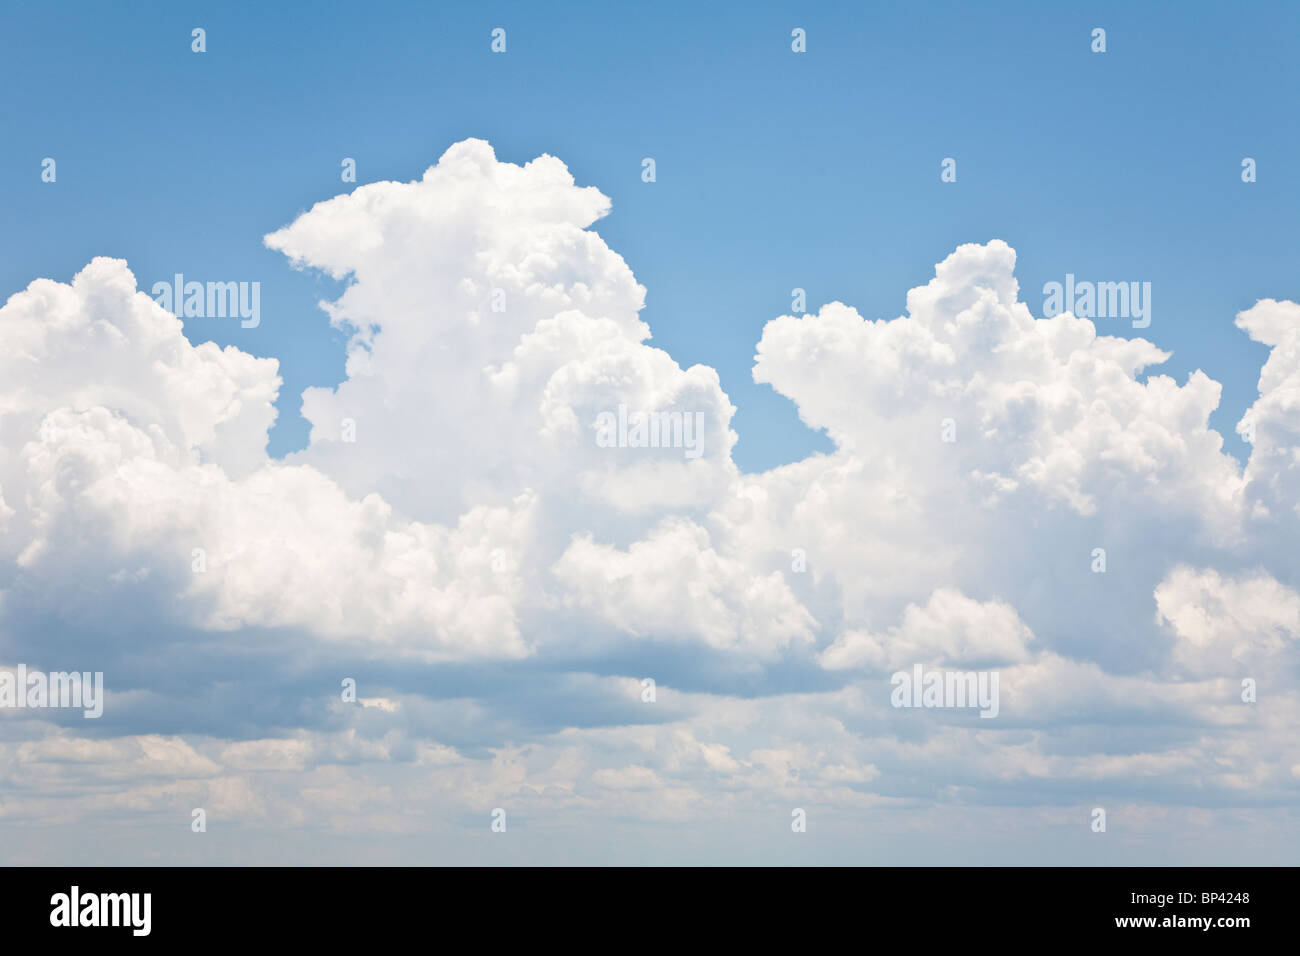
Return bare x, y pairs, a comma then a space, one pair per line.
1247, 625
950, 630
476, 522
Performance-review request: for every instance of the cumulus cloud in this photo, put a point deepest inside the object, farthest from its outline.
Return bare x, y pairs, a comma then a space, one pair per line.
1246, 625
502, 581
950, 630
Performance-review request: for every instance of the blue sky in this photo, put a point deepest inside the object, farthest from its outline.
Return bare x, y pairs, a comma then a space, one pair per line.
774, 170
